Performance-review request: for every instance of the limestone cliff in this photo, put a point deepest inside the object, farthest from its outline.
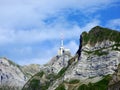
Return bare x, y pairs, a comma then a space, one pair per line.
114, 83
11, 75
99, 54
14, 76
95, 61
57, 63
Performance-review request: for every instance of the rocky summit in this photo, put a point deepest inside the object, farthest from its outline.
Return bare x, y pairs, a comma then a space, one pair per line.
91, 68
14, 76
99, 54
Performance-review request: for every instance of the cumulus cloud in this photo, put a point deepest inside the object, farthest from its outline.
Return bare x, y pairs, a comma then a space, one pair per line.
31, 13
50, 33
114, 23
73, 46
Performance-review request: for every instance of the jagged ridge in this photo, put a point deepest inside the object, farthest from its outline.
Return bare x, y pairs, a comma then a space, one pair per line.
99, 34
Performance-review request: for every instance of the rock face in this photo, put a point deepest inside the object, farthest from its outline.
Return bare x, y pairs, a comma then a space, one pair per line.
98, 54
30, 70
57, 63
114, 83
10, 74
14, 76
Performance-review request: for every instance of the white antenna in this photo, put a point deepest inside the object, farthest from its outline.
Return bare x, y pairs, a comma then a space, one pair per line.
62, 43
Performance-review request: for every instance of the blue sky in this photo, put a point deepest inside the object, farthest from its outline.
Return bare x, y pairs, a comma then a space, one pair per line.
30, 29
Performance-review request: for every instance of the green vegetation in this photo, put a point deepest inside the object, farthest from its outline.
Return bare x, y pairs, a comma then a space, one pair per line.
10, 88
98, 34
60, 87
40, 74
34, 83
98, 52
72, 59
62, 71
74, 81
101, 85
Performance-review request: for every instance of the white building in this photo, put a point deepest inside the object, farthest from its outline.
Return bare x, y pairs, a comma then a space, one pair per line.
62, 50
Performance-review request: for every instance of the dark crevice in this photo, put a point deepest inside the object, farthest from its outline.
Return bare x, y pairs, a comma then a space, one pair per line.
80, 47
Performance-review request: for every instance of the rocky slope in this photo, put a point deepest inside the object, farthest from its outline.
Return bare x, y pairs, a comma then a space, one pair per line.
50, 72
57, 63
91, 67
114, 83
10, 74
30, 70
13, 76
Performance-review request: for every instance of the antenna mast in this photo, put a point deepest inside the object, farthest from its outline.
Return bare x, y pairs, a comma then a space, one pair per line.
62, 42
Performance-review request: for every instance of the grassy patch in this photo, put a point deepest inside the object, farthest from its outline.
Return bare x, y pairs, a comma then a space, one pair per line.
40, 74
100, 53
97, 52
34, 84
101, 85
62, 71
60, 87
75, 81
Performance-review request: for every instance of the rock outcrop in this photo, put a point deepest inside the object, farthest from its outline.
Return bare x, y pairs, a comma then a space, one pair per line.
30, 70
10, 74
114, 83
98, 54
97, 58
14, 76
57, 63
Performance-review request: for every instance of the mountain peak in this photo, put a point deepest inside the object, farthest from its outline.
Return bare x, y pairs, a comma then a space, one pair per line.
99, 34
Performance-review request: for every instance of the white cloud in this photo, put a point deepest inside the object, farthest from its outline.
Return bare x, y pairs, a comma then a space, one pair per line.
22, 50
32, 12
47, 33
43, 56
114, 23
38, 60
73, 46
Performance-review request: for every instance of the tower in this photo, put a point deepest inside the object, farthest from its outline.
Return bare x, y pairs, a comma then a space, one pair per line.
61, 49
62, 43
63, 53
